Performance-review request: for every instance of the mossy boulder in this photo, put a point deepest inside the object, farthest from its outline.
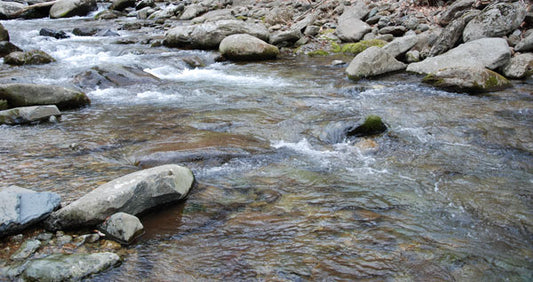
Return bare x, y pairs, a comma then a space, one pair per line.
356, 48
33, 57
372, 125
318, 53
468, 79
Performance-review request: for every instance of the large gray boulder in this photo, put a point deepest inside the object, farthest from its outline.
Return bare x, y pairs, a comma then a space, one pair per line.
32, 57
61, 267
520, 66
122, 227
496, 20
455, 10
71, 8
351, 29
491, 53
467, 79
526, 44
25, 115
192, 11
9, 9
132, 193
372, 62
400, 45
21, 208
112, 75
452, 34
22, 95
208, 35
244, 47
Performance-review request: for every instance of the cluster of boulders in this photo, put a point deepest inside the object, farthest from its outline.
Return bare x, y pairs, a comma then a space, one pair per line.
111, 208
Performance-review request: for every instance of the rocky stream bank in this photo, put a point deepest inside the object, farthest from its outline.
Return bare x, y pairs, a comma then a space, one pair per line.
465, 46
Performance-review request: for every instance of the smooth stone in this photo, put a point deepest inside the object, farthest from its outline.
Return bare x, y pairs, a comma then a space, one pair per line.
71, 8
22, 94
372, 62
244, 47
132, 193
25, 115
62, 267
467, 79
122, 227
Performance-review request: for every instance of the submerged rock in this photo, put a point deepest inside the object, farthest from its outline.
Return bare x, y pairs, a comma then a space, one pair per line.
490, 53
25, 115
372, 62
209, 34
497, 19
371, 126
33, 57
213, 156
21, 208
132, 193
244, 47
471, 80
71, 8
60, 267
122, 227
22, 94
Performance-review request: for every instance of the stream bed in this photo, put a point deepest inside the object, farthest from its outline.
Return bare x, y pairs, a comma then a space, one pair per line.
445, 194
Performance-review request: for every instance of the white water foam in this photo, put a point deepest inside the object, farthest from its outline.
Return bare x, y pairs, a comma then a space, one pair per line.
214, 75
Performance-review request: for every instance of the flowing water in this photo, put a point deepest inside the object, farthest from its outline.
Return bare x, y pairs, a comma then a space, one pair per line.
445, 194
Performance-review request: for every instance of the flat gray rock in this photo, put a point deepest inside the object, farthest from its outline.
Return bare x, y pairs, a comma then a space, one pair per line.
21, 208
372, 62
25, 115
490, 53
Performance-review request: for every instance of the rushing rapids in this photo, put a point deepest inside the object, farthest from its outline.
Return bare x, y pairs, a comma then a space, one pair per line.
444, 194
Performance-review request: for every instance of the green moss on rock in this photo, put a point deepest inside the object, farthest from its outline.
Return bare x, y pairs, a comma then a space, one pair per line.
356, 48
3, 105
373, 125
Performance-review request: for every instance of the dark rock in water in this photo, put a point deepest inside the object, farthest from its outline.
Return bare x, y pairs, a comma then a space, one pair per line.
120, 5
61, 267
27, 115
373, 125
33, 57
36, 10
244, 47
7, 48
340, 131
53, 33
4, 34
213, 156
468, 79
133, 193
145, 3
21, 208
21, 95
71, 8
122, 227
84, 31
106, 76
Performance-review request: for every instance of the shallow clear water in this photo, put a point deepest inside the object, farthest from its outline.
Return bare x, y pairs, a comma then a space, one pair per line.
445, 194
